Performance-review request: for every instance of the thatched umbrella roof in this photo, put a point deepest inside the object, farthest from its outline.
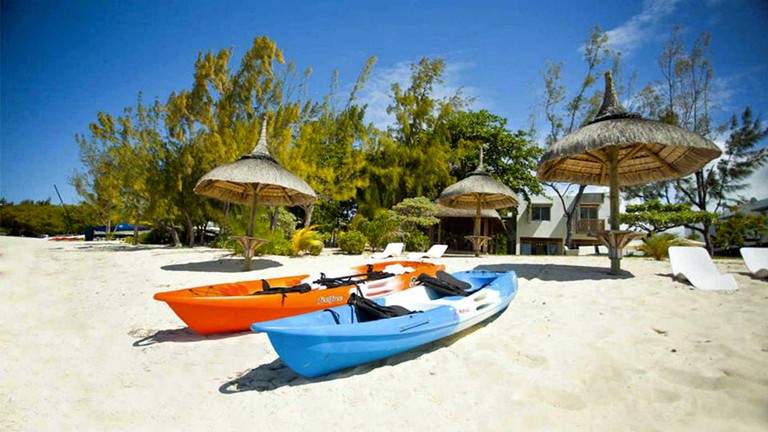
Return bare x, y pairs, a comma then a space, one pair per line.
478, 188
478, 191
255, 178
256, 174
619, 148
648, 150
448, 212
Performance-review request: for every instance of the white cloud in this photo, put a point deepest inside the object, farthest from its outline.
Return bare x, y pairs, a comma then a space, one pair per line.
642, 27
377, 93
757, 182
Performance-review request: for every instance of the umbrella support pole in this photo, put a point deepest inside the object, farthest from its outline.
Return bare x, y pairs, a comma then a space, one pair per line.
477, 244
613, 175
248, 247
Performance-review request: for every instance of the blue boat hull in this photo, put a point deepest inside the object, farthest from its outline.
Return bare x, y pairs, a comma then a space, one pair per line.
321, 342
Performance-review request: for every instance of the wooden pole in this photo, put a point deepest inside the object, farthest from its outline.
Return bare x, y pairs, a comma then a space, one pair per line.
247, 250
613, 179
478, 215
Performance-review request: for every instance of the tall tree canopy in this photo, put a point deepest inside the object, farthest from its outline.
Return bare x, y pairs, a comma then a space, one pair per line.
509, 156
684, 98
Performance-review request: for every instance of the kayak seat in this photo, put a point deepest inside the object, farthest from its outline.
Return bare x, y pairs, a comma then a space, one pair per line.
448, 278
368, 310
266, 289
344, 280
445, 287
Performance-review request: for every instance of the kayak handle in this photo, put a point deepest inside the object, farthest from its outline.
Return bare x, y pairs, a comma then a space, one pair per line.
414, 325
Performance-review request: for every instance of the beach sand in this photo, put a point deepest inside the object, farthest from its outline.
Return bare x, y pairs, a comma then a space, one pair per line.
85, 347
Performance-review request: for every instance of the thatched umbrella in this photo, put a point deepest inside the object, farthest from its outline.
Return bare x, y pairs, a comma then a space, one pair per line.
619, 148
478, 191
255, 178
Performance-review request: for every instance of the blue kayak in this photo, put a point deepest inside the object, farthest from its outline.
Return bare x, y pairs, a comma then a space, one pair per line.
325, 341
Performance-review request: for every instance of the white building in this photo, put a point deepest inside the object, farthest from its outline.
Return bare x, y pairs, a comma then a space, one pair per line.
754, 206
541, 226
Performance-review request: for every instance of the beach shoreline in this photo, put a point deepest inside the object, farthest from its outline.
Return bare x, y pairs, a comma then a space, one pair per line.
86, 347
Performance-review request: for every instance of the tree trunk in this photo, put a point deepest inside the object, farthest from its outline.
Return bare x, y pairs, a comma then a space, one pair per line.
273, 218
224, 229
708, 238
308, 211
569, 213
190, 229
175, 235
136, 232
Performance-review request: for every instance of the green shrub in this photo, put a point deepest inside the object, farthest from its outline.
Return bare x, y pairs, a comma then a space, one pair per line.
352, 242
223, 241
382, 230
657, 245
305, 239
276, 246
416, 241
316, 249
500, 244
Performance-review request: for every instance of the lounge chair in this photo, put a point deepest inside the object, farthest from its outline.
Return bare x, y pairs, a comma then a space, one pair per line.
435, 252
695, 265
392, 250
756, 260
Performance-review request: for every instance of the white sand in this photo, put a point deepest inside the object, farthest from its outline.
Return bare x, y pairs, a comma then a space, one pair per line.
85, 347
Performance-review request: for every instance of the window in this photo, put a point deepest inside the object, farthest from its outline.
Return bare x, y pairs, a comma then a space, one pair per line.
540, 246
540, 213
587, 213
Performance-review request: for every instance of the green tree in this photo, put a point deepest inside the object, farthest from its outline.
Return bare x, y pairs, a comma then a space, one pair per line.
413, 158
685, 99
415, 215
510, 157
654, 217
36, 218
564, 117
382, 229
327, 153
733, 231
99, 183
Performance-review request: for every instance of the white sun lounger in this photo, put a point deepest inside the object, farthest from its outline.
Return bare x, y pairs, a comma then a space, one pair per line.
695, 265
435, 252
392, 250
756, 260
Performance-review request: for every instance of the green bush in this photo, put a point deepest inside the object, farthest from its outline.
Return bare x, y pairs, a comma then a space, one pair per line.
277, 246
416, 241
657, 245
305, 240
223, 241
316, 249
352, 242
500, 244
382, 230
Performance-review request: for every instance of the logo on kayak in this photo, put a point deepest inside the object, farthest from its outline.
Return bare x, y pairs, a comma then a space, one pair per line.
331, 299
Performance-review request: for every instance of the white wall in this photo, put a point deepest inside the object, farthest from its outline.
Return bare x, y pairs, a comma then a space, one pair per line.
555, 228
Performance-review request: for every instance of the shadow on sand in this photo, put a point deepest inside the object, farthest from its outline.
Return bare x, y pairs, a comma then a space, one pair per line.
117, 247
184, 334
271, 376
223, 265
556, 272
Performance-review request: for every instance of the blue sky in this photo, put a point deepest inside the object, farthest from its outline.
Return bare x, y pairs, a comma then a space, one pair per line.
61, 62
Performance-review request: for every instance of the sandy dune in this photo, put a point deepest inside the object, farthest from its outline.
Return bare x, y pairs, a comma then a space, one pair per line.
84, 347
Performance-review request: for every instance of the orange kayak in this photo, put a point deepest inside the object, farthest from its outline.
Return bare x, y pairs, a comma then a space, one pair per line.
234, 306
